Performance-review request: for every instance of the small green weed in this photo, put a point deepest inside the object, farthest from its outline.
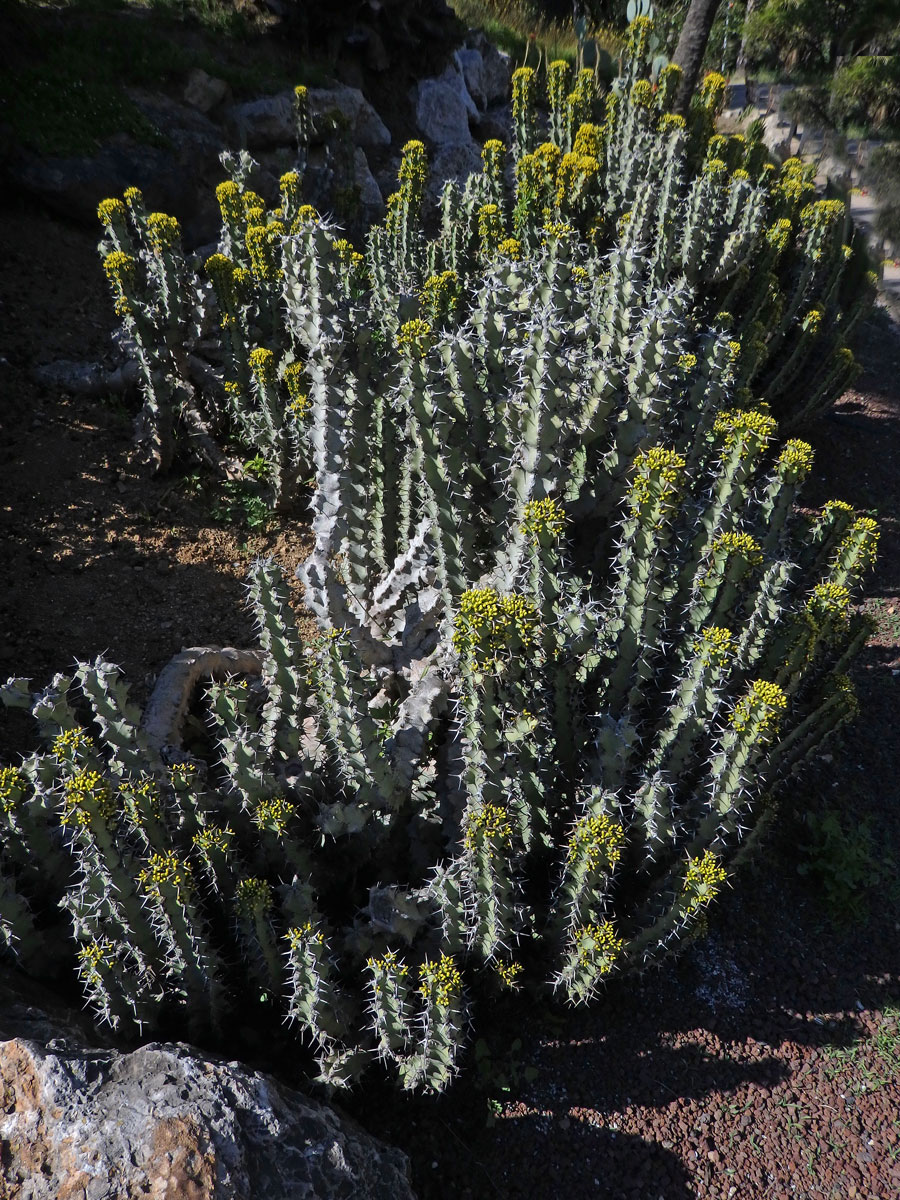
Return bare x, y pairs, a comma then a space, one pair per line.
240, 503
841, 862
500, 1074
862, 1076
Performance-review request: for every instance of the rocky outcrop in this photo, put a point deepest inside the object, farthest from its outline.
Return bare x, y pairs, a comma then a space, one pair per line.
166, 1122
365, 127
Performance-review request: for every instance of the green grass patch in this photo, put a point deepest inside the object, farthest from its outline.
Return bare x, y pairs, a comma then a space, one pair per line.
66, 68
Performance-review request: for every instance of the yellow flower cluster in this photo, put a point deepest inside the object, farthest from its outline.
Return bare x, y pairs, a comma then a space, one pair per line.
838, 506
779, 234
581, 275
93, 955
87, 795
549, 156
795, 183
388, 964
142, 794
524, 89
413, 166
440, 982
712, 90
350, 258
531, 177
658, 472
166, 870
812, 322
306, 215
262, 243
492, 153
864, 535
642, 93
739, 543
120, 268
487, 622
596, 841
262, 364
302, 936
740, 175
715, 645
557, 82
414, 337
134, 197
111, 212
299, 400
274, 813
556, 230
702, 881
823, 214
71, 742
439, 294
796, 459
163, 232
597, 946
842, 685
543, 518
252, 897
573, 170
638, 35
588, 141
12, 785
289, 186
510, 974
763, 707
686, 362
672, 123
490, 229
747, 429
489, 824
510, 248
828, 600
183, 774
213, 839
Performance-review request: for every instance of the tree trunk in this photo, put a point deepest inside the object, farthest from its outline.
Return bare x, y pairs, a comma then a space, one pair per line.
692, 46
741, 64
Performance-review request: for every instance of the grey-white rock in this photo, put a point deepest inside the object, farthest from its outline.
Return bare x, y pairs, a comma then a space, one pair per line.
471, 63
443, 107
264, 123
456, 161
167, 1122
204, 92
370, 198
496, 70
366, 127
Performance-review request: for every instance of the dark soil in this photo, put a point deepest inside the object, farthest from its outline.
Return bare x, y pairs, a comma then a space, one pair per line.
765, 1062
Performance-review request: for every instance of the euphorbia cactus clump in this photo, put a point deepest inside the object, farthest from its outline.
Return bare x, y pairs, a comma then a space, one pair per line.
574, 632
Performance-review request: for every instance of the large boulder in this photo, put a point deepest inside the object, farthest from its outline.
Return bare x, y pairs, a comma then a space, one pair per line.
495, 71
166, 1122
363, 123
443, 107
264, 123
73, 187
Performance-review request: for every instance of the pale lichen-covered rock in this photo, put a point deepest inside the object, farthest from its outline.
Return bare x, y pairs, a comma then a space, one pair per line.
167, 1122
365, 126
443, 108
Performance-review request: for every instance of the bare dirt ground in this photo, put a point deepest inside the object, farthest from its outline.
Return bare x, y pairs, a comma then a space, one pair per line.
765, 1063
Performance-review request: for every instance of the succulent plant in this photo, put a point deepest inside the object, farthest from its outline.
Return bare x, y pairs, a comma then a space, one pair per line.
575, 634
